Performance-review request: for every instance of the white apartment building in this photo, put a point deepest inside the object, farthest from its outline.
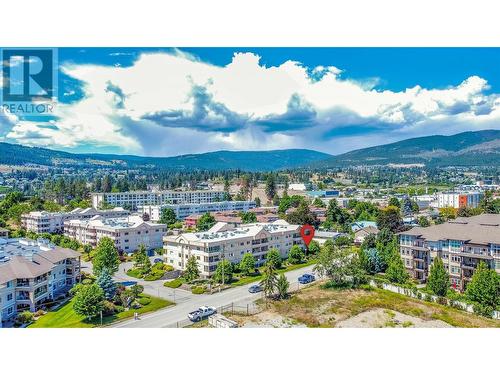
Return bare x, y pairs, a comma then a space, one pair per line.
225, 241
134, 199
184, 210
53, 222
32, 273
459, 199
126, 232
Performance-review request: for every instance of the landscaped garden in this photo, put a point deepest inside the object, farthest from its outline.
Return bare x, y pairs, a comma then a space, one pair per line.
143, 269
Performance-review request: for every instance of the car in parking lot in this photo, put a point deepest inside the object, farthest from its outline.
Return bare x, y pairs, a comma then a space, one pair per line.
255, 288
306, 278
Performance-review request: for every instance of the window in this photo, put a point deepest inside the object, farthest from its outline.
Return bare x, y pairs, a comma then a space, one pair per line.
9, 297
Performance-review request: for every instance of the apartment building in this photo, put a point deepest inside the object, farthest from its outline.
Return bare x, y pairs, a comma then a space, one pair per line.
126, 232
460, 243
135, 199
33, 273
226, 241
53, 222
186, 209
459, 199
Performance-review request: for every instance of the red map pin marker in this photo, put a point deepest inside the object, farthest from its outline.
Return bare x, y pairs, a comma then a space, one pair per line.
307, 233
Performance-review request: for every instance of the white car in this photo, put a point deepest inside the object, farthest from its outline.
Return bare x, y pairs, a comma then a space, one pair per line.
201, 313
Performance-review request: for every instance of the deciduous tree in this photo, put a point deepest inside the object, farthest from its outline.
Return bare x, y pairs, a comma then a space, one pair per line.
89, 301
105, 256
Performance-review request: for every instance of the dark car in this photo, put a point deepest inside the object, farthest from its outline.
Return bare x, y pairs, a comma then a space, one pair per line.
306, 278
255, 289
158, 260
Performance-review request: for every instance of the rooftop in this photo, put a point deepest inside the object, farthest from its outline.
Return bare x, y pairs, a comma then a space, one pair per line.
131, 221
480, 229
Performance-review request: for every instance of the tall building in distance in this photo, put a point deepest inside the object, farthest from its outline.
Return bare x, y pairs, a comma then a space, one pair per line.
459, 199
460, 243
183, 210
127, 233
225, 241
133, 199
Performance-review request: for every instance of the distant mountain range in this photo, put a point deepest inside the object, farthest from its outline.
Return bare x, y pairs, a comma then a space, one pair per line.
479, 148
12, 154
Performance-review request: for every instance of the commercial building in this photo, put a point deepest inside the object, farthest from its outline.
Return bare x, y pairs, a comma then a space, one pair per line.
460, 243
33, 273
231, 243
184, 210
53, 222
459, 199
134, 199
127, 232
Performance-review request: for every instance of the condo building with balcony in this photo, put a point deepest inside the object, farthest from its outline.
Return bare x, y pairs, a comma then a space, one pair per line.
225, 241
184, 210
127, 233
459, 199
33, 273
460, 243
53, 222
135, 199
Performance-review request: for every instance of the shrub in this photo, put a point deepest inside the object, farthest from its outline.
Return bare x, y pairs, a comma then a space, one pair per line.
154, 275
119, 309
173, 283
135, 305
198, 289
144, 301
87, 281
25, 317
134, 272
108, 308
136, 290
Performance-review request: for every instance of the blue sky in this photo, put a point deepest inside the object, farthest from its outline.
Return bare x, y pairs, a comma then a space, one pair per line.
169, 101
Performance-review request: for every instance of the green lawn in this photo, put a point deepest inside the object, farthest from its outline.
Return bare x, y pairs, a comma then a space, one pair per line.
65, 316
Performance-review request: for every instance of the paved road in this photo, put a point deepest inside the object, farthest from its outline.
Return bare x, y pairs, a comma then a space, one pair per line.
185, 304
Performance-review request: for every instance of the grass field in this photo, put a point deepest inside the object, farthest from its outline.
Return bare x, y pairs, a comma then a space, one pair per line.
65, 316
315, 306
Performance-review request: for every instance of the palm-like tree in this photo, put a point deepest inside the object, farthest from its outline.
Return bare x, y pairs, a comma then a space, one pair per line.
282, 285
269, 280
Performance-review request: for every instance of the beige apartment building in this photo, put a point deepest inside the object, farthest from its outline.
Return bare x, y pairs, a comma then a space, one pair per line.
127, 233
226, 241
32, 273
460, 243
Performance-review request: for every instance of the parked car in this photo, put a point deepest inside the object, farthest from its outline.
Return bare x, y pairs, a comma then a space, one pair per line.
306, 278
158, 260
255, 288
202, 313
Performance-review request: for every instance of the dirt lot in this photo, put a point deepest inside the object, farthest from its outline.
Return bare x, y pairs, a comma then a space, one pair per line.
318, 307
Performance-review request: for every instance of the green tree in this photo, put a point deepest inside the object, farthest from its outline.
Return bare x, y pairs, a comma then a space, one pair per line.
396, 271
314, 247
192, 272
248, 217
423, 222
390, 218
205, 222
448, 213
257, 201
296, 255
224, 272
340, 264
105, 256
282, 286
484, 290
106, 283
318, 203
273, 257
89, 301
141, 260
393, 201
439, 281
302, 215
269, 280
168, 216
136, 290
270, 187
247, 264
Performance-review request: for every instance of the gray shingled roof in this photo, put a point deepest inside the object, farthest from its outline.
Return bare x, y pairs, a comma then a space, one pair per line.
481, 229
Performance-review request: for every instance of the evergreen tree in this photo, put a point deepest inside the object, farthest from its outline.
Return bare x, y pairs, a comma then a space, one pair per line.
141, 260
105, 256
390, 218
106, 283
282, 286
192, 272
168, 216
439, 281
484, 290
269, 280
270, 188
